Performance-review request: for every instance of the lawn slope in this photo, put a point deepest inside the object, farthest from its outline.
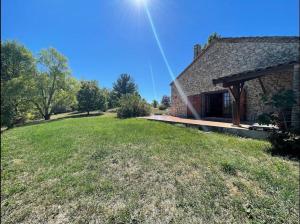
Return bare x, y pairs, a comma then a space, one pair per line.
106, 170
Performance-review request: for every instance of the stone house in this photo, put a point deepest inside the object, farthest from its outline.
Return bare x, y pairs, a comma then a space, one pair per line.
233, 73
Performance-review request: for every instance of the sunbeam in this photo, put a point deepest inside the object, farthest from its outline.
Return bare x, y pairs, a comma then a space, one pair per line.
153, 82
177, 85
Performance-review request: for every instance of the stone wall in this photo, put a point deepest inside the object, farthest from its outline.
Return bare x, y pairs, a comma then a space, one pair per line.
296, 89
272, 83
226, 56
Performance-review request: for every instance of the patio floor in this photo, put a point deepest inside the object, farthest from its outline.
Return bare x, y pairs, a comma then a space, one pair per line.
205, 125
172, 119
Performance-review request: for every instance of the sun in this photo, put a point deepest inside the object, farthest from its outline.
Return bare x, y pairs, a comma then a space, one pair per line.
139, 2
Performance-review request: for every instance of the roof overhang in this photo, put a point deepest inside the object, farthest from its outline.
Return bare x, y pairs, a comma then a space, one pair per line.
253, 74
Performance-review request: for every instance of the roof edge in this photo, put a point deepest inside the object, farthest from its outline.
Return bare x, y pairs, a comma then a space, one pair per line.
269, 39
228, 78
196, 59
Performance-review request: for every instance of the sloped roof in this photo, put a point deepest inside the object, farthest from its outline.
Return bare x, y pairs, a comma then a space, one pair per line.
257, 39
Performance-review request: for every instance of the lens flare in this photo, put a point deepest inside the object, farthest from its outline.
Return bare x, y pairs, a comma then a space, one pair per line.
162, 52
153, 82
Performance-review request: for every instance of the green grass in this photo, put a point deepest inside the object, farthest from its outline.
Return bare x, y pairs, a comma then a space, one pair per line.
106, 170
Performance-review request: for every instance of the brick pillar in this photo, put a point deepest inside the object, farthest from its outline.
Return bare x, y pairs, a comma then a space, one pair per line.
296, 89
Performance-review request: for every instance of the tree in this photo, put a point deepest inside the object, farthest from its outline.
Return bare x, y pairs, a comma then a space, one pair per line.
155, 103
105, 92
285, 141
124, 85
211, 38
50, 83
65, 99
89, 97
17, 66
282, 103
113, 100
166, 101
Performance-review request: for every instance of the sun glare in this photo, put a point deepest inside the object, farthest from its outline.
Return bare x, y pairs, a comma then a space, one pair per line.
140, 2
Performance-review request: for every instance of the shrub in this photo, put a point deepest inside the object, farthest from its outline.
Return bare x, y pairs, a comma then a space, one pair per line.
154, 103
162, 107
132, 106
282, 103
284, 141
166, 101
285, 144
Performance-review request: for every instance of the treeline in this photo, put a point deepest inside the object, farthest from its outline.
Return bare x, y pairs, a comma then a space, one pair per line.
37, 87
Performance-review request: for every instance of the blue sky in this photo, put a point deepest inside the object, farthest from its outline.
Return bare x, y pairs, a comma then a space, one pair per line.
104, 38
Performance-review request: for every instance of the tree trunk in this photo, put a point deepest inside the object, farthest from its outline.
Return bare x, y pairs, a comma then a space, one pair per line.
47, 116
88, 112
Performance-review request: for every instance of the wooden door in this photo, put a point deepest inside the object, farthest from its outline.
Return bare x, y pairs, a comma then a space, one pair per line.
195, 101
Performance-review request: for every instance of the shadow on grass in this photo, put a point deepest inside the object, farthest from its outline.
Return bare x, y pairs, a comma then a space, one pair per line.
285, 144
289, 154
75, 114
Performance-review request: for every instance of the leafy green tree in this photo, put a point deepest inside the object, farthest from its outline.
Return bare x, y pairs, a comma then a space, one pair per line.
113, 100
66, 99
51, 83
90, 97
155, 103
106, 94
17, 66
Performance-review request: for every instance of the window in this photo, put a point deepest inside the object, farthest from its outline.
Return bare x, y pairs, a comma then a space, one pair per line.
226, 104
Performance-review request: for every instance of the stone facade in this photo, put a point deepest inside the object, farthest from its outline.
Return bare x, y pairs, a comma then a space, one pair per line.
296, 89
227, 56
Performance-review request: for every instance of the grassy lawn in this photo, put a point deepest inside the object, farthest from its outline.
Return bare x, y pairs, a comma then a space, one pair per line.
106, 170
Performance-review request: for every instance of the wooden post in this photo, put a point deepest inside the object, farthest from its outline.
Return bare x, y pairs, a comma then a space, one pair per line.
236, 91
262, 86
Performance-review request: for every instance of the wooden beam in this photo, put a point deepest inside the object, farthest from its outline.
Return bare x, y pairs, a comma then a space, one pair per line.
246, 76
262, 85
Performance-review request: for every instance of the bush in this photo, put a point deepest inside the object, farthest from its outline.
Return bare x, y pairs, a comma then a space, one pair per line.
285, 144
284, 141
132, 106
162, 107
166, 101
154, 103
